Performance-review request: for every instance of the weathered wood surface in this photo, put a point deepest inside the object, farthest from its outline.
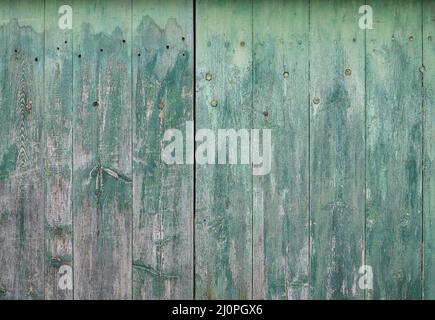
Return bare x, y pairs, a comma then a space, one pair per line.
22, 200
336, 149
83, 112
102, 182
428, 58
58, 153
280, 207
223, 220
394, 150
163, 194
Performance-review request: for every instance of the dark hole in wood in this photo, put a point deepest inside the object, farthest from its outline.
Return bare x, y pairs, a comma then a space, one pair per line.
79, 55
167, 46
138, 54
101, 50
57, 48
36, 59
183, 38
95, 104
123, 40
66, 42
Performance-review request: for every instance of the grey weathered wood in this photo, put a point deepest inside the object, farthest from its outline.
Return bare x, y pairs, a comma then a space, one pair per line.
280, 208
336, 149
223, 221
57, 152
102, 188
394, 154
163, 194
21, 150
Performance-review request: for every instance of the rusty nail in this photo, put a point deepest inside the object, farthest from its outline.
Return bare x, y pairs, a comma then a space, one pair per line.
265, 113
347, 72
161, 105
29, 106
208, 76
285, 74
316, 100
214, 103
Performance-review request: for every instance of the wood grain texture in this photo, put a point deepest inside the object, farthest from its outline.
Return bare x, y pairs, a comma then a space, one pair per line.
336, 149
394, 135
429, 149
102, 187
223, 220
21, 150
57, 151
280, 58
163, 194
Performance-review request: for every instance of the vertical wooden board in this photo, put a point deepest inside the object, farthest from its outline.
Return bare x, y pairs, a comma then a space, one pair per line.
223, 218
336, 149
429, 149
281, 246
102, 170
21, 150
162, 193
394, 153
58, 153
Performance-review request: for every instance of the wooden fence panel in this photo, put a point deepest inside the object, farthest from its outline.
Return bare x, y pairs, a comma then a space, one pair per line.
22, 200
163, 193
102, 182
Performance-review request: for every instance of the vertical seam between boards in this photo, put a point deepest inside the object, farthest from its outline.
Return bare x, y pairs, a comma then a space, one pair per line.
194, 148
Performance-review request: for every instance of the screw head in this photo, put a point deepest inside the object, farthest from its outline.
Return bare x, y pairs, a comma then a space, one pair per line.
422, 69
347, 72
285, 74
214, 103
411, 38
208, 76
316, 100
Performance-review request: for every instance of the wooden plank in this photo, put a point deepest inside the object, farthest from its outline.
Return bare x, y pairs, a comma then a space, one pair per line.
223, 221
394, 125
162, 193
102, 188
429, 149
336, 149
58, 153
21, 150
281, 254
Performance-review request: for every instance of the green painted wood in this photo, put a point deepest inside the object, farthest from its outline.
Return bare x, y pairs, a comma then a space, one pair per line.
58, 152
336, 149
429, 149
21, 150
163, 194
280, 93
102, 164
223, 217
394, 135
